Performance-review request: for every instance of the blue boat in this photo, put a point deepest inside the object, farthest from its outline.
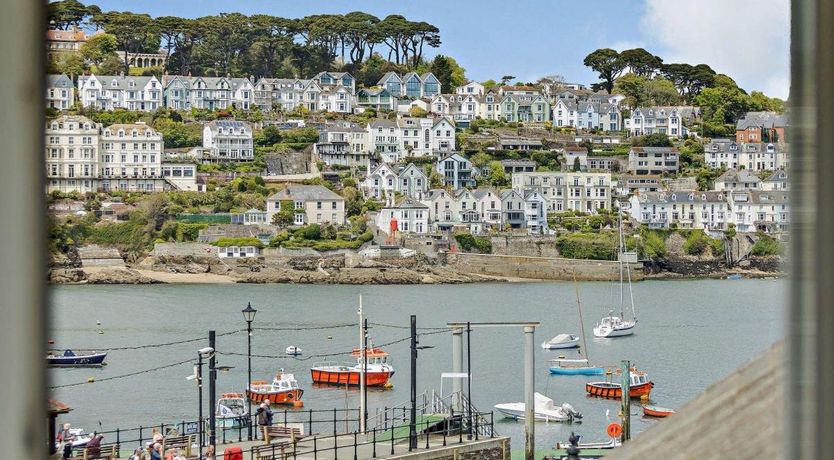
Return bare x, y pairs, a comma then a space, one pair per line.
574, 367
69, 358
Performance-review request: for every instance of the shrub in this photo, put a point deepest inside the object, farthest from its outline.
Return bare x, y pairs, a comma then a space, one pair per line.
766, 246
596, 246
468, 242
717, 247
654, 245
225, 242
696, 243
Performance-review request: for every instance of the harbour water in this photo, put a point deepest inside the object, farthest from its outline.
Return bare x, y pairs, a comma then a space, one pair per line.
690, 334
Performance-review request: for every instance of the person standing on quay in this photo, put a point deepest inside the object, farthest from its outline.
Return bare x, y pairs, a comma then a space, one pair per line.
264, 416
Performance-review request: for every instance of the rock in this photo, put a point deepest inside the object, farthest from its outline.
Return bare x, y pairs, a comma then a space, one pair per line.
119, 276
65, 276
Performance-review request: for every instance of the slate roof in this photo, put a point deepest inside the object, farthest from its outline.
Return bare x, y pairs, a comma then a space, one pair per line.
305, 193
58, 81
734, 175
763, 120
683, 196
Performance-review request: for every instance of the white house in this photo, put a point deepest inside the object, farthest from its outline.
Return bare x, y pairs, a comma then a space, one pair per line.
426, 136
131, 158
343, 144
386, 180
72, 144
312, 204
707, 211
411, 216
568, 190
761, 210
664, 120
457, 171
385, 139
489, 206
471, 87
535, 214
735, 180
228, 140
512, 209
777, 181
109, 92
60, 92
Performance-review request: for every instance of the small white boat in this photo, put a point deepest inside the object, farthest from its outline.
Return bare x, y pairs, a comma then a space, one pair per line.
561, 341
543, 410
614, 326
610, 444
293, 350
231, 411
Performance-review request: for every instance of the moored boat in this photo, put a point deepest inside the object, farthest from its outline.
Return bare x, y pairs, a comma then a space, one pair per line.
543, 410
69, 358
378, 370
293, 350
283, 390
563, 366
231, 411
657, 411
639, 385
561, 341
614, 325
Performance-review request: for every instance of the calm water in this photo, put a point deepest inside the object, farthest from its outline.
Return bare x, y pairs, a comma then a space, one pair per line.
690, 334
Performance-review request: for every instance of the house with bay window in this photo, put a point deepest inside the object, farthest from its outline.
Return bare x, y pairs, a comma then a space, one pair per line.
410, 85
311, 204
411, 215
109, 92
60, 92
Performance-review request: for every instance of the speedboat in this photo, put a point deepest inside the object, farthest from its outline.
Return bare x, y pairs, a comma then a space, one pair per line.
283, 390
231, 411
657, 411
543, 410
614, 326
561, 341
378, 370
639, 385
563, 366
610, 444
69, 358
293, 350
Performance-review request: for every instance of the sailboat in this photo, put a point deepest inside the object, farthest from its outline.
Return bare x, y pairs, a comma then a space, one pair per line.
580, 366
613, 325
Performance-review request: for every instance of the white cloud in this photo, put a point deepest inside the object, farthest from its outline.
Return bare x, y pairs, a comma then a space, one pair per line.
745, 39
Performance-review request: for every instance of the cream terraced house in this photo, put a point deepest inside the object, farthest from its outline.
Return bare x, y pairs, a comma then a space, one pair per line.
71, 154
566, 190
109, 92
131, 158
312, 204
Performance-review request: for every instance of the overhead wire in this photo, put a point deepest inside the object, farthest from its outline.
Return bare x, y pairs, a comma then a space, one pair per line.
115, 377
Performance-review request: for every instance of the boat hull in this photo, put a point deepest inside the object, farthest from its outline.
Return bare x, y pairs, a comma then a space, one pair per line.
96, 359
654, 411
615, 391
373, 379
227, 423
615, 332
562, 345
276, 397
577, 370
517, 413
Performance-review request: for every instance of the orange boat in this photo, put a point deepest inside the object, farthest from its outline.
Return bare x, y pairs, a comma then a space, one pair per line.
283, 390
657, 411
638, 386
378, 372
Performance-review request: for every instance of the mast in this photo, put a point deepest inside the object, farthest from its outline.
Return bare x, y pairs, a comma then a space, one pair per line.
620, 256
581, 321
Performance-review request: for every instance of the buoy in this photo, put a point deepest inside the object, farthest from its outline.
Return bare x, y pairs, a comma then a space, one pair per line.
51, 341
98, 323
388, 385
100, 331
644, 397
329, 337
91, 379
614, 430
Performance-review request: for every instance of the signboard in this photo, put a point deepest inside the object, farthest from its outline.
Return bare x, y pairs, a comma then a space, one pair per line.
191, 428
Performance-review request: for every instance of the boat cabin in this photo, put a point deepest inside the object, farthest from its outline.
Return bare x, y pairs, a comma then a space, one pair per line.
639, 378
375, 356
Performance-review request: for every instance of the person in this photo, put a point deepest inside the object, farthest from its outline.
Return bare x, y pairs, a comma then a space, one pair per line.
264, 414
138, 454
209, 455
94, 445
156, 452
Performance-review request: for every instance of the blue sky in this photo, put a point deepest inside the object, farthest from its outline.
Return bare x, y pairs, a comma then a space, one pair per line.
533, 38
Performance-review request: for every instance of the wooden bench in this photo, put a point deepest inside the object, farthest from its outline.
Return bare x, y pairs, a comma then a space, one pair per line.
104, 452
277, 451
277, 432
179, 442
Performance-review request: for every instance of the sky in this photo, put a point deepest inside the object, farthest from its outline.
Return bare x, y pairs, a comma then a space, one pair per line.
745, 39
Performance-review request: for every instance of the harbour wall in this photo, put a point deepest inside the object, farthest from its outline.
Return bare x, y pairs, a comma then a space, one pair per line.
490, 449
525, 245
544, 268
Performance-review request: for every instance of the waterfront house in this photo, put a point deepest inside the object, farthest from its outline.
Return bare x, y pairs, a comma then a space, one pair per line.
443, 209
535, 214
568, 190
238, 251
328, 80
468, 217
457, 171
413, 181
60, 92
761, 127
60, 42
489, 206
709, 211
228, 140
776, 181
653, 160
131, 158
575, 159
109, 92
312, 204
512, 209
412, 216
181, 176
761, 210
72, 148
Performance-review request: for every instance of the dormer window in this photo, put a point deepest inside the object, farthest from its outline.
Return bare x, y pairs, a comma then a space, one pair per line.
113, 83
131, 83
733, 147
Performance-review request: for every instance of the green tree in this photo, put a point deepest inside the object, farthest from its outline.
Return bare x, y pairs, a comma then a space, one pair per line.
285, 215
134, 33
576, 164
112, 65
70, 63
652, 140
497, 176
641, 62
64, 14
99, 47
608, 64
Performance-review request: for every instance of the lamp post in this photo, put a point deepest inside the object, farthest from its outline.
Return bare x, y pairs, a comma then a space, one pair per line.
249, 316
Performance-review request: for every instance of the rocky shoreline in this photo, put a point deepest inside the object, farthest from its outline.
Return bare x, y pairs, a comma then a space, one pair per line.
340, 269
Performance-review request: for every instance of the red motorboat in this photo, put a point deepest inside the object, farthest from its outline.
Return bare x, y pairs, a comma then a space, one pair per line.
283, 390
638, 386
379, 371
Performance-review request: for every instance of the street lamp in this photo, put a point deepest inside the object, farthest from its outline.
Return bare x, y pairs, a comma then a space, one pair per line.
249, 316
202, 353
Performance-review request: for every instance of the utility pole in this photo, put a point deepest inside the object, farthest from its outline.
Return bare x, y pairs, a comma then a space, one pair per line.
529, 398
626, 400
412, 427
365, 372
469, 378
363, 409
212, 389
200, 399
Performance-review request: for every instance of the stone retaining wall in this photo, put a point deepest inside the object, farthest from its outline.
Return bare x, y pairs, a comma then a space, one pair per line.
526, 245
547, 268
489, 449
